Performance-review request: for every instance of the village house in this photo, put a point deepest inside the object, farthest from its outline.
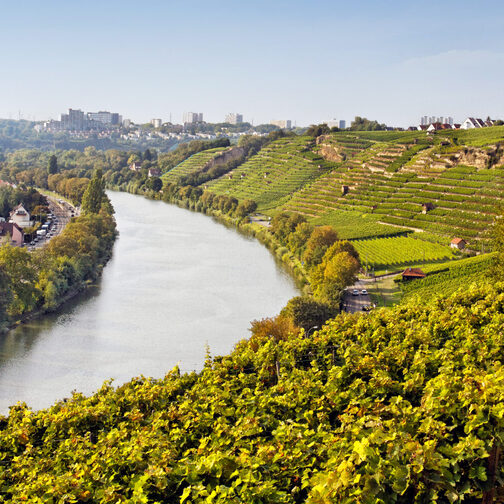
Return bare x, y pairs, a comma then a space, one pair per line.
412, 274
458, 243
472, 123
20, 216
13, 231
154, 172
136, 166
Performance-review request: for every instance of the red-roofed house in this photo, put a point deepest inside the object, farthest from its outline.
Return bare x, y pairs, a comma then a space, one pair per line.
13, 231
458, 243
412, 274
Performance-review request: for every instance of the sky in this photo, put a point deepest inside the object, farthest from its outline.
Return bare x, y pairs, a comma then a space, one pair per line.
308, 61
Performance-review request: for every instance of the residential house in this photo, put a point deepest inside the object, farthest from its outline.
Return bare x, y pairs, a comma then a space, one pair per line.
136, 166
458, 243
20, 216
154, 172
13, 231
472, 123
412, 274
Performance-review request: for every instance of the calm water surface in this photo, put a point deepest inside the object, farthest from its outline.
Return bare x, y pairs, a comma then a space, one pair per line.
177, 281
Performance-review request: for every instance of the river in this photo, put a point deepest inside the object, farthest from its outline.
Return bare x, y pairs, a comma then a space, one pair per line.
177, 282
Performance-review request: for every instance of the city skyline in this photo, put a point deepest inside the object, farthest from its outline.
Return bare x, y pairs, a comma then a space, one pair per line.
305, 61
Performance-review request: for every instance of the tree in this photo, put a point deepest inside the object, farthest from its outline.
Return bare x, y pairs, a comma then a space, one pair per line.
318, 272
298, 239
156, 184
339, 272
307, 313
17, 264
320, 240
246, 207
363, 124
283, 224
52, 165
278, 328
94, 194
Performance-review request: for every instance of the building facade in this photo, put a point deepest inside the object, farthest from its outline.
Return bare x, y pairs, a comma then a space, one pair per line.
283, 123
233, 118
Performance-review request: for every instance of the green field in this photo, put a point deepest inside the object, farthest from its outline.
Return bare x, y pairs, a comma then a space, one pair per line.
398, 252
352, 225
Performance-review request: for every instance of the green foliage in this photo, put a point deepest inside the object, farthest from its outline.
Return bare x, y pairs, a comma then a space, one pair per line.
363, 124
94, 194
320, 240
52, 165
307, 313
402, 405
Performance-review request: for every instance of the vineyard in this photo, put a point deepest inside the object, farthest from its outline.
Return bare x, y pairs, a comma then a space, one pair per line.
352, 225
447, 278
192, 164
274, 174
397, 252
403, 405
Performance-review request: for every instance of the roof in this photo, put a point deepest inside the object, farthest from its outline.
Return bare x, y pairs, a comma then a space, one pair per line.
19, 210
413, 272
456, 241
8, 227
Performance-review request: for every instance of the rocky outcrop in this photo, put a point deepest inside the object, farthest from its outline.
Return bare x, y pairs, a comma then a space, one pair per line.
480, 158
225, 157
330, 151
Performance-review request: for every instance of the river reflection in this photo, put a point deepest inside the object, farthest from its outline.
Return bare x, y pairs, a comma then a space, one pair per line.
177, 281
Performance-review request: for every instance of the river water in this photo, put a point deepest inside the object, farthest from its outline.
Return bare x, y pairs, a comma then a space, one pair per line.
177, 281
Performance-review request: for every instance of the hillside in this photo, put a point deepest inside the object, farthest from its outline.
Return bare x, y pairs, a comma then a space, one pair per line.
404, 405
374, 185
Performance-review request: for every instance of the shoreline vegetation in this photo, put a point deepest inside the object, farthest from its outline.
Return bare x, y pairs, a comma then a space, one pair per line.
41, 281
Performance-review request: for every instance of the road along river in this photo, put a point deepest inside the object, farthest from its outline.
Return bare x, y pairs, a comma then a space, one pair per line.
177, 281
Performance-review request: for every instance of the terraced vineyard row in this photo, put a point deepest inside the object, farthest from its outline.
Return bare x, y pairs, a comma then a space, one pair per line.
462, 201
192, 164
399, 251
447, 278
274, 174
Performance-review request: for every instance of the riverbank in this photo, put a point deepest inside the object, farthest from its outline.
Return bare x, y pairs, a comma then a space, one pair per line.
243, 225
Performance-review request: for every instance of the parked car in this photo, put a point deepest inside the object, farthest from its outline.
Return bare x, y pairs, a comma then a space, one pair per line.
364, 292
355, 292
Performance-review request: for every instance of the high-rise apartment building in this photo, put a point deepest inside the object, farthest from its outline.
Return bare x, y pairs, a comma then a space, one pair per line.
192, 117
283, 123
156, 123
233, 118
104, 117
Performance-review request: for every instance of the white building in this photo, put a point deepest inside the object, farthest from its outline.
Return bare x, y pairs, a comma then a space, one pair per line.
471, 123
283, 123
156, 123
20, 216
233, 118
192, 117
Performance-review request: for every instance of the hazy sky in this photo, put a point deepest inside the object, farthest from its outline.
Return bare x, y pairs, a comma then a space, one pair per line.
308, 61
